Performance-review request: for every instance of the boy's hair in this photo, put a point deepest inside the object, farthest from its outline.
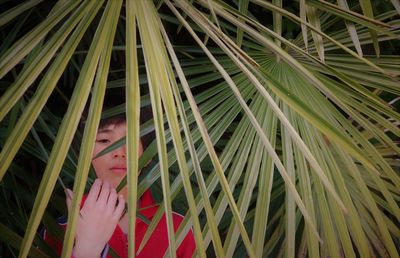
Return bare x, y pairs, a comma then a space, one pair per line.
145, 115
115, 100
112, 120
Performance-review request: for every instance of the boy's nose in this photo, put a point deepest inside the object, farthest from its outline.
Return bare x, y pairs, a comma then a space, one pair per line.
120, 152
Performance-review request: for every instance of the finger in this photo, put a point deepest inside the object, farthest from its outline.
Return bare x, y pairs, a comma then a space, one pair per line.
68, 199
119, 210
94, 191
112, 200
104, 193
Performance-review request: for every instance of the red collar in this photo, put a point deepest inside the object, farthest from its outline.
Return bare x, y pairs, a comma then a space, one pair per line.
147, 206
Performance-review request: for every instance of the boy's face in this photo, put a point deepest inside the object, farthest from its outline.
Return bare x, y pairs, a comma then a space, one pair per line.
111, 166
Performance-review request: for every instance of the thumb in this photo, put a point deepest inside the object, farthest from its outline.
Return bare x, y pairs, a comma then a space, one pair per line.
69, 195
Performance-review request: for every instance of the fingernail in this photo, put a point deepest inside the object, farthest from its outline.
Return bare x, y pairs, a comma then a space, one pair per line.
68, 193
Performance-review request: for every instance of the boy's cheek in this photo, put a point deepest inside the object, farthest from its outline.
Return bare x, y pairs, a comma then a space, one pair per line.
96, 150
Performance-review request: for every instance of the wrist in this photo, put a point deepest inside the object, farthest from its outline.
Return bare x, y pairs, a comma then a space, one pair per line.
85, 252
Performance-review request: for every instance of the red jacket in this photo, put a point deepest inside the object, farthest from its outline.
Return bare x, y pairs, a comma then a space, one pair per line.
156, 245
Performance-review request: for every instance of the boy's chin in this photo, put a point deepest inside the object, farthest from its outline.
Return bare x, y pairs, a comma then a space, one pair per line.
124, 192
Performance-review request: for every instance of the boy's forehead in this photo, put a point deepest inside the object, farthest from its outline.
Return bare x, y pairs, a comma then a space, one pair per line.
111, 125
112, 120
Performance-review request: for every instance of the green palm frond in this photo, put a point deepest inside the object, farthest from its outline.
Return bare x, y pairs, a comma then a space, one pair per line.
276, 123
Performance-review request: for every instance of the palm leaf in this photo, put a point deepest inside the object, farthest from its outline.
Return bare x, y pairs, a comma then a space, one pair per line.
273, 136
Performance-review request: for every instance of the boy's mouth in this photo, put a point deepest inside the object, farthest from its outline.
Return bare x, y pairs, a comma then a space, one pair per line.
118, 170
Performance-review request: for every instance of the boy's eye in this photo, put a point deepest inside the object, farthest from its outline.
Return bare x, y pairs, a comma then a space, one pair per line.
103, 141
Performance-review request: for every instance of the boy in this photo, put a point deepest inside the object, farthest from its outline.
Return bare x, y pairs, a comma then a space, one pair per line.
102, 223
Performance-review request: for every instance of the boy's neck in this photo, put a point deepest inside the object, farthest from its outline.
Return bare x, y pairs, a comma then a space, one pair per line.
124, 221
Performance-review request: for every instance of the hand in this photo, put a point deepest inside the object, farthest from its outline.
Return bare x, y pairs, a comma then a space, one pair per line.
98, 218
